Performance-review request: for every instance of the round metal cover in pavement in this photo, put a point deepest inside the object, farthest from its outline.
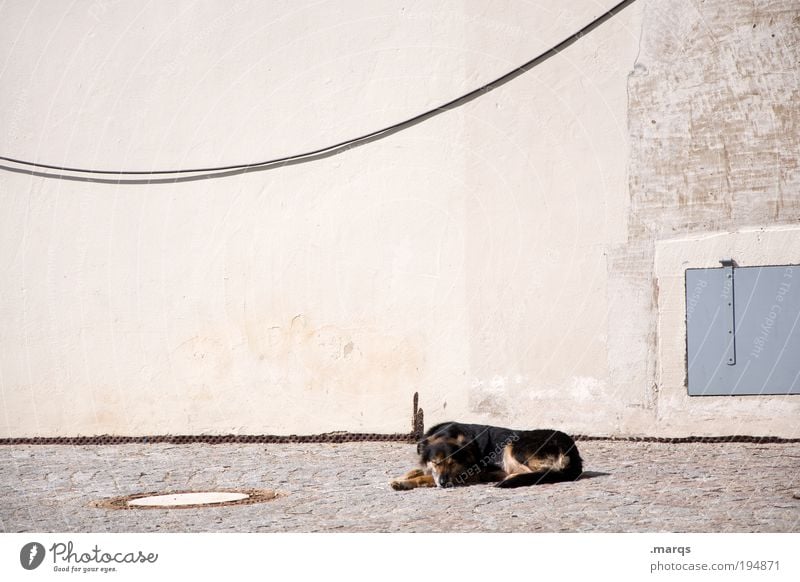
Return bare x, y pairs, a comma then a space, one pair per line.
188, 499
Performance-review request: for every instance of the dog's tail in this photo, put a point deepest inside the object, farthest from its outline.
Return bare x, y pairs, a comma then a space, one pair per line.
535, 478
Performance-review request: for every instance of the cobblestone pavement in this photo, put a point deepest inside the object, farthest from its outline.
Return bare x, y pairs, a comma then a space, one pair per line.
630, 487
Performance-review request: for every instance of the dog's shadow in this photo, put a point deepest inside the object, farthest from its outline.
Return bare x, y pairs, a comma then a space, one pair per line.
592, 475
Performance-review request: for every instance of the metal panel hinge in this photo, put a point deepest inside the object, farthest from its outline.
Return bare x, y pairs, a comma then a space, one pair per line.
728, 307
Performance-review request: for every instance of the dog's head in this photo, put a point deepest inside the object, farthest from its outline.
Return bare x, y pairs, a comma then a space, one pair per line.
452, 460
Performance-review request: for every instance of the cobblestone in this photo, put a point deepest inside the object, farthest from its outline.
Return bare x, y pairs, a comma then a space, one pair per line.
628, 487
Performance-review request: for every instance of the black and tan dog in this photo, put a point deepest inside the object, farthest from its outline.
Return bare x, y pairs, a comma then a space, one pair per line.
454, 454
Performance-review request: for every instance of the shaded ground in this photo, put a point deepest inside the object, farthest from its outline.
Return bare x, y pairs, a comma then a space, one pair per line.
632, 487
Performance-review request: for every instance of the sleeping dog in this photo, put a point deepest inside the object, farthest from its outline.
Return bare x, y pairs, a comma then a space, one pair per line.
453, 454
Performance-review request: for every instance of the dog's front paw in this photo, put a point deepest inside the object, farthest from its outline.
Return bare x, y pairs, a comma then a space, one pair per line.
400, 485
414, 473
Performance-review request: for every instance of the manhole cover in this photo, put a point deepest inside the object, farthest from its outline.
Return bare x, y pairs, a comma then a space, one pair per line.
188, 499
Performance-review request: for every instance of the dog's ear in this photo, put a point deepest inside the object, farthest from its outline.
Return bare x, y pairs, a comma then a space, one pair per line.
421, 446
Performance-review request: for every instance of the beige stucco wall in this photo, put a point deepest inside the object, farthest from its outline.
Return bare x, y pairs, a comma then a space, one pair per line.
493, 259
713, 116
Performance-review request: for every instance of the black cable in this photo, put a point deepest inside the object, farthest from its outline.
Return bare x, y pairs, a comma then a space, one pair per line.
357, 141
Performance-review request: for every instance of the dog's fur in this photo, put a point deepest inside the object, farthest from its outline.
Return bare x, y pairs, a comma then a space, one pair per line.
453, 454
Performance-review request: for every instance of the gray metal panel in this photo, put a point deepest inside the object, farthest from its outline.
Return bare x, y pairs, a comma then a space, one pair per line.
743, 330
